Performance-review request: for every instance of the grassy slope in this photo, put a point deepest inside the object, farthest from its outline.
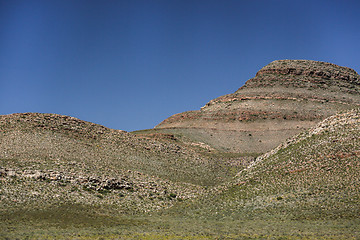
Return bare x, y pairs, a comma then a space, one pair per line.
308, 187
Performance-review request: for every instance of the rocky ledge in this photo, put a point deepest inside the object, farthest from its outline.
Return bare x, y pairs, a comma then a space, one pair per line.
304, 73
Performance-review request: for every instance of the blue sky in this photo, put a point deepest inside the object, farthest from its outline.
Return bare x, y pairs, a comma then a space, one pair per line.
130, 64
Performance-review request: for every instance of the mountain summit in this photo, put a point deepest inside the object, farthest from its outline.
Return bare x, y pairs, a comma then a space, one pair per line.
284, 98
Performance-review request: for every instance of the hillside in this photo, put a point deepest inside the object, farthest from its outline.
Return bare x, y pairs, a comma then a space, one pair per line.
309, 186
50, 159
285, 97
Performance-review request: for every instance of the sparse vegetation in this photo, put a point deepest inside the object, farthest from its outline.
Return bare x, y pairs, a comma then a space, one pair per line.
63, 178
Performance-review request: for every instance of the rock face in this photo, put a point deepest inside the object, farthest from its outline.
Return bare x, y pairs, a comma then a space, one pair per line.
284, 98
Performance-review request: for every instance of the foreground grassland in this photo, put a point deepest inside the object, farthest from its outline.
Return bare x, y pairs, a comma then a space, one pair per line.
168, 227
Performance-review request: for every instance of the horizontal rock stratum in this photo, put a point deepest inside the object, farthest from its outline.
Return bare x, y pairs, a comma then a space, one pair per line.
284, 98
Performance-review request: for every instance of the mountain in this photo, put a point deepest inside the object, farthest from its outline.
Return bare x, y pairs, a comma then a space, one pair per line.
284, 98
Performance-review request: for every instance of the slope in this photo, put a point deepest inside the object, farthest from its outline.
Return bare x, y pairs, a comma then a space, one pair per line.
308, 187
48, 160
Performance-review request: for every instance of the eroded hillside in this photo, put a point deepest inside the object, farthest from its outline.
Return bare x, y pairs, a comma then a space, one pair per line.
284, 98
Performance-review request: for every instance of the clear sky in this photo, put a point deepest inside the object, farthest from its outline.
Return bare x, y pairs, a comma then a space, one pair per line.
130, 64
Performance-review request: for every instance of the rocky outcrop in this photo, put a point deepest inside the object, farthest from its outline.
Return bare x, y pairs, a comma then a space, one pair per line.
310, 68
126, 190
284, 98
304, 73
127, 183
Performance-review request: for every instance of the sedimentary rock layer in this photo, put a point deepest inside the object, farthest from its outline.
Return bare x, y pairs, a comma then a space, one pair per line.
284, 98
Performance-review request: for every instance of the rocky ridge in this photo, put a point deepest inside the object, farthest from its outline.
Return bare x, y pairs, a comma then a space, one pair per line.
55, 123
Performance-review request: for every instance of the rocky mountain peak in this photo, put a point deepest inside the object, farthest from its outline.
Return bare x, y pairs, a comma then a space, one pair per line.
310, 68
304, 73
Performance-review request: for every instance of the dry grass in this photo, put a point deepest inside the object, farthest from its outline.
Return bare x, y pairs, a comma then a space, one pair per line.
312, 178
